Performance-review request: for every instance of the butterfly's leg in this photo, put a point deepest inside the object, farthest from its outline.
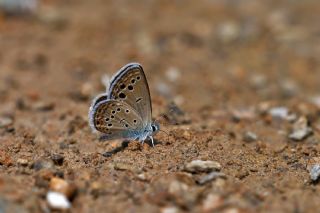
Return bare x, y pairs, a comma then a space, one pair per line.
152, 141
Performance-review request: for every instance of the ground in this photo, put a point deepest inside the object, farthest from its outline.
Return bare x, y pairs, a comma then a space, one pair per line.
230, 82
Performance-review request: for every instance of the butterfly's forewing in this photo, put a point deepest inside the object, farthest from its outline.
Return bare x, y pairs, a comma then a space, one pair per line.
130, 85
115, 119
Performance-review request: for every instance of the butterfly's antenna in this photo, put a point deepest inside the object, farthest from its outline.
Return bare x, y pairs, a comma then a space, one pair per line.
165, 132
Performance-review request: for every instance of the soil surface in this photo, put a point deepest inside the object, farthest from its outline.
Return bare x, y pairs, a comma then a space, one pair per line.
233, 83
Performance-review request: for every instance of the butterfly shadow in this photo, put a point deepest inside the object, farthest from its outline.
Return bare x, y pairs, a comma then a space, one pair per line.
123, 146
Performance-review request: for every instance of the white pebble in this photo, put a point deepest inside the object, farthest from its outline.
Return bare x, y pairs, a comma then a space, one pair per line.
58, 200
202, 166
282, 113
279, 112
315, 172
173, 74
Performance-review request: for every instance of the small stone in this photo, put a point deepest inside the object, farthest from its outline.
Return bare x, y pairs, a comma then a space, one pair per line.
57, 159
202, 166
212, 202
315, 172
23, 162
5, 122
58, 200
243, 114
301, 130
38, 165
249, 137
44, 106
282, 113
143, 177
122, 166
171, 209
62, 186
87, 89
229, 32
209, 177
173, 74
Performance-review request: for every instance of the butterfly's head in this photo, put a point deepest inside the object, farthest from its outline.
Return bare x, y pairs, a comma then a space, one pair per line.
155, 127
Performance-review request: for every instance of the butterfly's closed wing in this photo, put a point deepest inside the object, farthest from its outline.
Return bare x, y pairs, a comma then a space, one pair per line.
130, 85
115, 119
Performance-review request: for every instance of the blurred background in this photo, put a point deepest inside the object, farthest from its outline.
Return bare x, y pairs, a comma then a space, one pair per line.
199, 54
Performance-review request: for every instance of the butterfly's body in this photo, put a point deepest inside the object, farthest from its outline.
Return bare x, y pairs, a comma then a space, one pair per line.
125, 110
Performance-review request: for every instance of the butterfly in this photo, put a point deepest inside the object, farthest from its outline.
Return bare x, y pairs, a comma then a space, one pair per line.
125, 110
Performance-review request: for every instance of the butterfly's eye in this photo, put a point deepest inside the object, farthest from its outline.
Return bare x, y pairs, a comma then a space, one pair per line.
154, 128
130, 87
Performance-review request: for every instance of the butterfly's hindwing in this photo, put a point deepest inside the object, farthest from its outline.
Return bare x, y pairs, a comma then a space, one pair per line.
116, 119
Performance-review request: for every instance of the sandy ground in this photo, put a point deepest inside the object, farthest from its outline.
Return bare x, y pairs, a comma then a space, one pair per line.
233, 83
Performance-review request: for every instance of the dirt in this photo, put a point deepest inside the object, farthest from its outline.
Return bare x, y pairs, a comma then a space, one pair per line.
216, 70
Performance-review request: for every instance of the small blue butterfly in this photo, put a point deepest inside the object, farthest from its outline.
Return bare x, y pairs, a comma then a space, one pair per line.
125, 110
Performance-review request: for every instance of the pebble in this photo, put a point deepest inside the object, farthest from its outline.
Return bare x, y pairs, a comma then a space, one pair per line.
229, 32
23, 162
5, 122
38, 165
122, 166
43, 106
202, 166
58, 200
212, 202
62, 186
209, 177
182, 194
171, 209
173, 74
315, 172
282, 113
279, 112
301, 129
87, 90
249, 137
57, 159
243, 114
